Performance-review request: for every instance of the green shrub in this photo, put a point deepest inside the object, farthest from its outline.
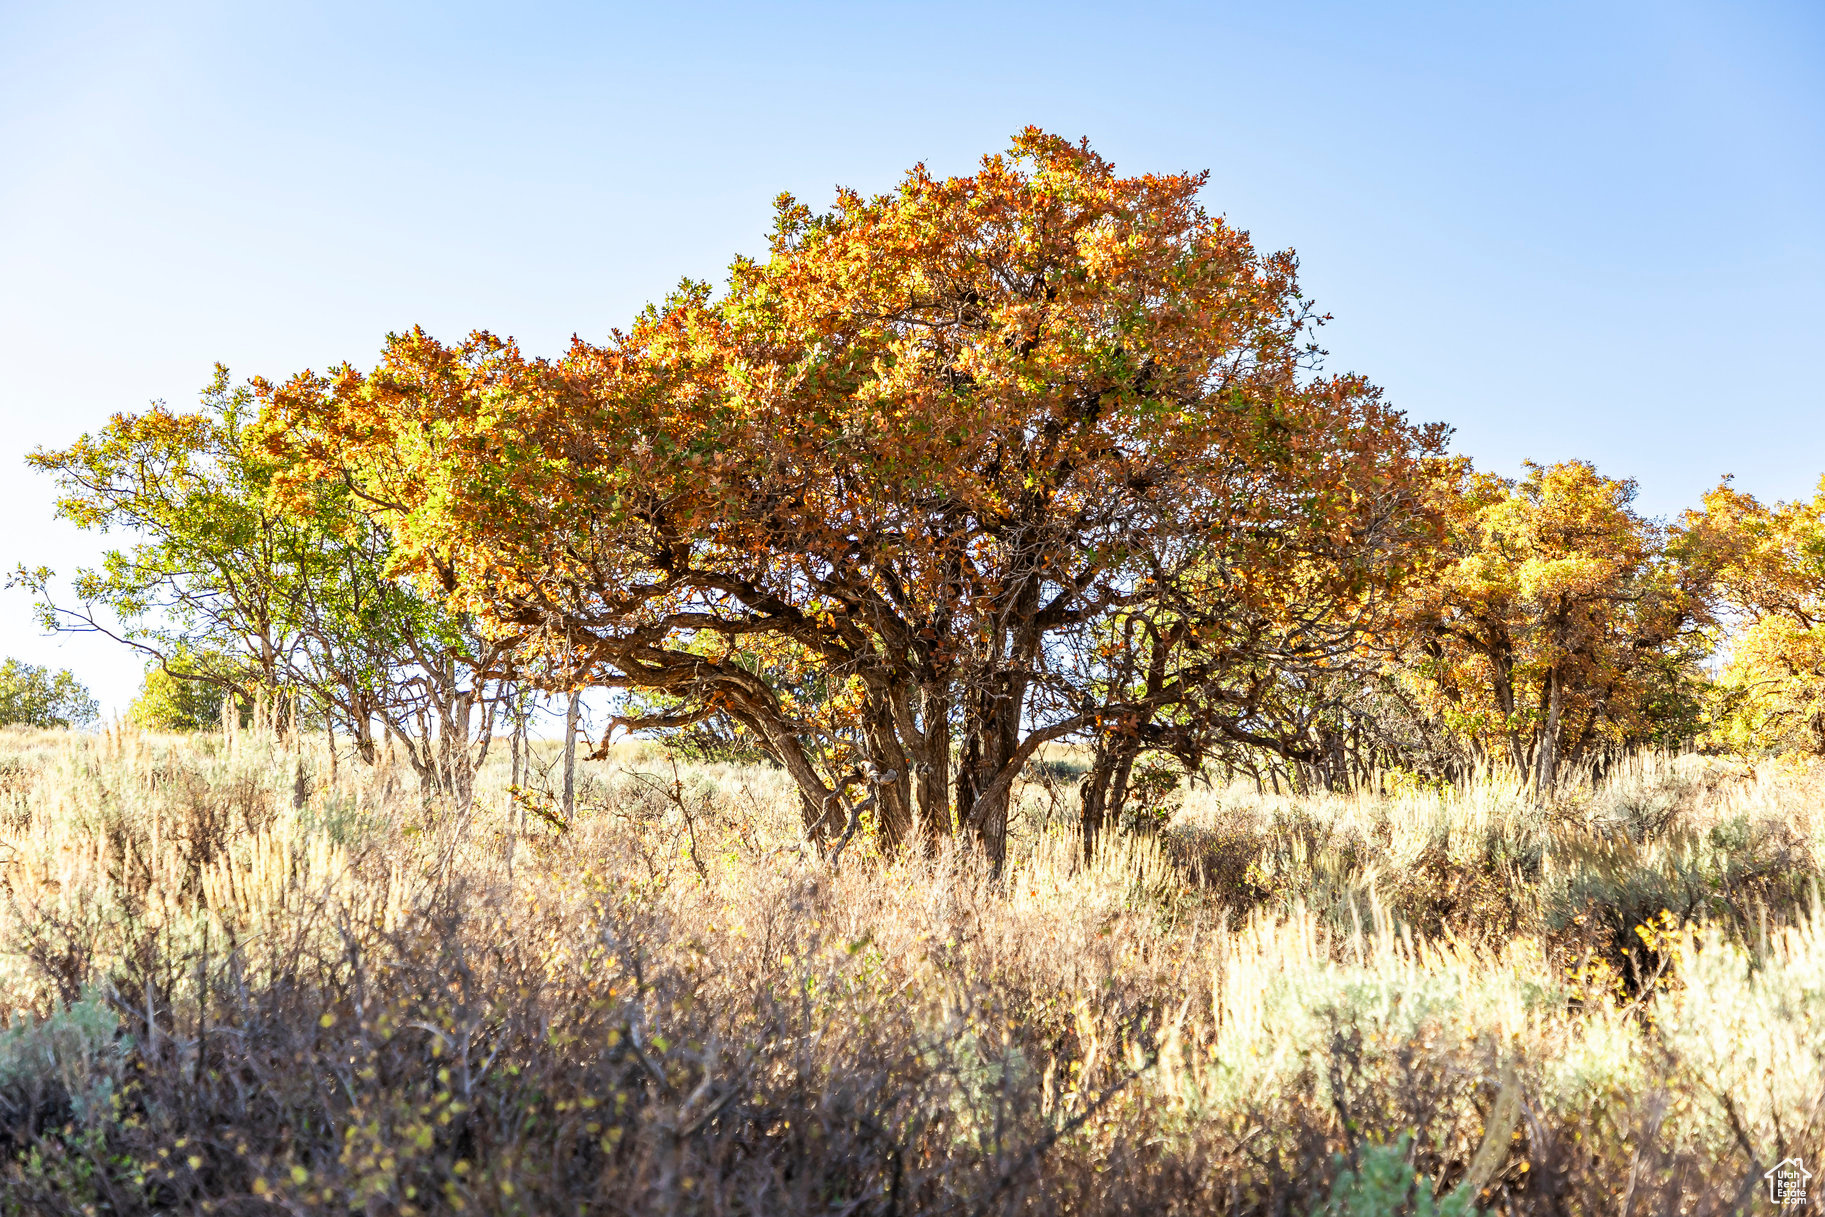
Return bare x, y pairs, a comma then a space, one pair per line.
172, 703
65, 1059
1383, 1184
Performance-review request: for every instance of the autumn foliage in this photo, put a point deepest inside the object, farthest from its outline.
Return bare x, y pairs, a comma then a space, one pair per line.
1770, 566
1560, 622
1035, 454
1039, 455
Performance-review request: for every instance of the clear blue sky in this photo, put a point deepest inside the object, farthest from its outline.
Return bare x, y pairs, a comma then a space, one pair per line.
1568, 230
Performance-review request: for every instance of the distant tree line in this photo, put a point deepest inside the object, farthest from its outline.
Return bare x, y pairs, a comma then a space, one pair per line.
32, 696
1038, 455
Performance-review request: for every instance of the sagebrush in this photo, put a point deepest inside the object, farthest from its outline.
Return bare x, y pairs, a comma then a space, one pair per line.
240, 980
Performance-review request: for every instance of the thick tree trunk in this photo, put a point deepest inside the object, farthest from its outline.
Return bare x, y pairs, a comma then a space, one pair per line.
820, 810
1518, 752
992, 726
1337, 776
1104, 789
365, 746
1548, 772
1118, 786
893, 799
935, 771
455, 758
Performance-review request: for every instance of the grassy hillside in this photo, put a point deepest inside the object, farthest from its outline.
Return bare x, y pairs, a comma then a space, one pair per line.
239, 979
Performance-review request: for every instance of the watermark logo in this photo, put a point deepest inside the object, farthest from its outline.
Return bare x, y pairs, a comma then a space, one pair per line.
1787, 1182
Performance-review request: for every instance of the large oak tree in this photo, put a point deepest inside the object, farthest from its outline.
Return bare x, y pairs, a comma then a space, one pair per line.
1036, 454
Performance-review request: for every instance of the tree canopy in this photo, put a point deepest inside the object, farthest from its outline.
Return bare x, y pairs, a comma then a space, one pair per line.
1771, 578
1560, 622
33, 696
1038, 453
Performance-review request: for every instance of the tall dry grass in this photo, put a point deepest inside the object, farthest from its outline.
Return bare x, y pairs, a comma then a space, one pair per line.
235, 983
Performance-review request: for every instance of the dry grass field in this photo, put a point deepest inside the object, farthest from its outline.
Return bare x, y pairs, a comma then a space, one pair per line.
236, 978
